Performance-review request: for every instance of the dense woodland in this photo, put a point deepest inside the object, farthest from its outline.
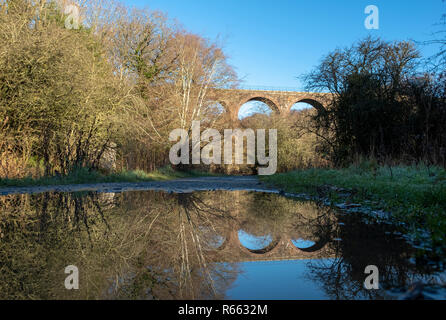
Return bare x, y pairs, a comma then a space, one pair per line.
120, 83
116, 86
387, 105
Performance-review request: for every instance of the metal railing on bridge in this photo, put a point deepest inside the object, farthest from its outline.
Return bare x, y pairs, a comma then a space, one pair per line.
265, 88
270, 88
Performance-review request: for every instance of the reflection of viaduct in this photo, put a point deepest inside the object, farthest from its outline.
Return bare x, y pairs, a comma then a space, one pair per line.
232, 250
279, 101
280, 248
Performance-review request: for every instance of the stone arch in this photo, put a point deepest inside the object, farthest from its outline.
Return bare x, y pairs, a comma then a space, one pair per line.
313, 102
274, 106
222, 108
221, 102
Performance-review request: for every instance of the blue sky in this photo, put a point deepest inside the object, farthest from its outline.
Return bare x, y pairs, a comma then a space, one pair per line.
271, 43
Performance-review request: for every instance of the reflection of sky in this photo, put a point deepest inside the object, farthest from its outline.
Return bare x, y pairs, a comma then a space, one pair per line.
252, 242
275, 280
302, 243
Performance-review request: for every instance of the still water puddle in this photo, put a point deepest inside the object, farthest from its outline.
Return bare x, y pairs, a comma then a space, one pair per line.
204, 245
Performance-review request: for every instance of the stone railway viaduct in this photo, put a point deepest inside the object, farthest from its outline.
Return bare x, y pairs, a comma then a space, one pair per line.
280, 102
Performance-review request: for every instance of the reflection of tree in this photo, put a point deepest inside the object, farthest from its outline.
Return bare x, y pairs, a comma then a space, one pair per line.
363, 244
194, 213
174, 263
152, 245
40, 236
135, 245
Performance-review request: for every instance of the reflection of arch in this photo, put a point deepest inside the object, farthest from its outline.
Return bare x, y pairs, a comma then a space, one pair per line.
316, 247
231, 240
269, 248
274, 243
272, 105
221, 247
209, 237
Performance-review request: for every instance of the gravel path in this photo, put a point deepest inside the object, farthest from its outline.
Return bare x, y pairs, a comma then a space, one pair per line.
177, 186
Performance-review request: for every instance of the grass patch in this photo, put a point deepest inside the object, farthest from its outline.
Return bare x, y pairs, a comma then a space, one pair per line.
415, 195
86, 176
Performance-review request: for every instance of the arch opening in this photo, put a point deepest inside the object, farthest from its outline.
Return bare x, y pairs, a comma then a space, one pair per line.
214, 109
257, 244
306, 104
301, 106
255, 107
